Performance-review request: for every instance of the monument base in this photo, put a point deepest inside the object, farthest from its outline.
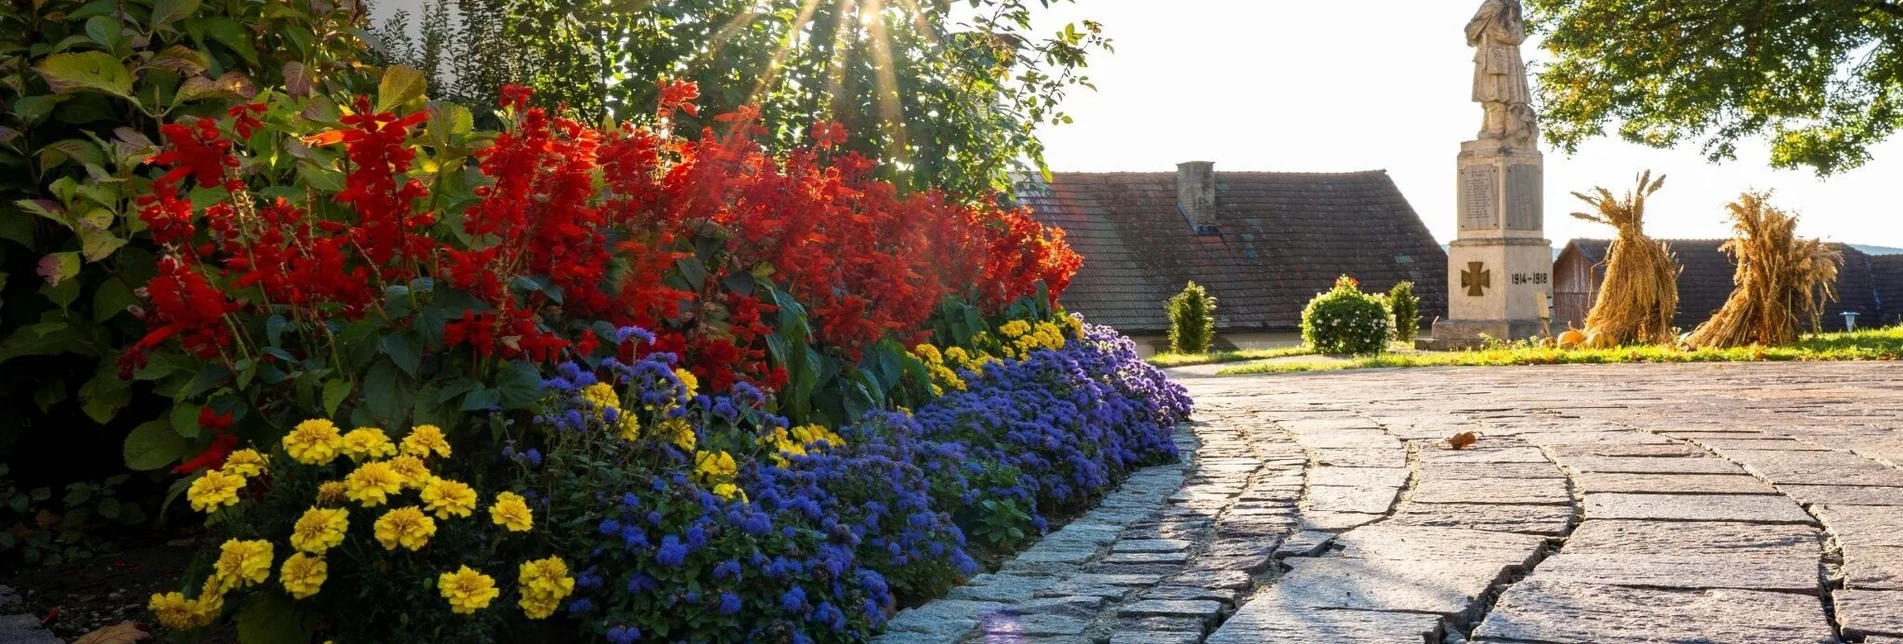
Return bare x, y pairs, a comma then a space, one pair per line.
1457, 335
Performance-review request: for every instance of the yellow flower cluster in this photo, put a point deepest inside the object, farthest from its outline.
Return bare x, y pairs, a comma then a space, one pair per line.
367, 443
1024, 337
799, 441
544, 583
511, 511
467, 590
973, 361
314, 442
679, 432
181, 614
247, 463
717, 471
407, 527
689, 381
240, 564
371, 484
1074, 324
943, 378
602, 398
320, 529
425, 440
303, 575
218, 488
446, 498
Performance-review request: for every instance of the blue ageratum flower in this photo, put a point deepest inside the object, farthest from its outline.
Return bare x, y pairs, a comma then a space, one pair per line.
624, 634
794, 600
729, 603
671, 553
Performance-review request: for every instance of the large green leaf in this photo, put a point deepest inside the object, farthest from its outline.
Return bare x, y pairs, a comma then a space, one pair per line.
387, 395
271, 618
105, 394
335, 392
153, 445
92, 70
166, 11
402, 87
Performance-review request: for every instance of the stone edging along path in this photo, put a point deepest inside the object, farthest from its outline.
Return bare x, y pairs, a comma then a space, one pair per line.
1671, 503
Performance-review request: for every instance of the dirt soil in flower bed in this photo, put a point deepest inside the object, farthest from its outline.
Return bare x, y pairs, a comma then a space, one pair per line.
75, 598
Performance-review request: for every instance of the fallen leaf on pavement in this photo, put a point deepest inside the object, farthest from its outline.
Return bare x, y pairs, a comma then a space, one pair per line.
120, 633
1462, 440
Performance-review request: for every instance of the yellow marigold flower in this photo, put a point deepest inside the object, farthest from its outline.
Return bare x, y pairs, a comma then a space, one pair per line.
302, 575
715, 465
247, 463
448, 498
373, 483
330, 492
319, 529
512, 511
366, 443
214, 490
680, 432
1015, 328
602, 397
313, 442
928, 353
173, 610
544, 582
728, 491
240, 564
406, 526
629, 426
467, 590
688, 380
424, 439
412, 469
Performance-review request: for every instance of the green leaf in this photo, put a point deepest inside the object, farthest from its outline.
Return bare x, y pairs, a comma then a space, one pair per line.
66, 266
404, 350
153, 445
165, 11
232, 85
402, 86
334, 393
208, 378
387, 394
112, 298
93, 70
518, 385
232, 35
105, 394
271, 618
31, 109
184, 418
97, 245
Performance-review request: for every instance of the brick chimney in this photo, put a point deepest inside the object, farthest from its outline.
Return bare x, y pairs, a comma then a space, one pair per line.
1196, 195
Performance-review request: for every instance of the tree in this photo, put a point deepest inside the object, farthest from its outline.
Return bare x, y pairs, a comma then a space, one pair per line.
1406, 307
1822, 80
949, 93
1192, 320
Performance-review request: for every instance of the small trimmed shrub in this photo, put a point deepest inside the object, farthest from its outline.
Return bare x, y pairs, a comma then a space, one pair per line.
1406, 307
1192, 320
1345, 320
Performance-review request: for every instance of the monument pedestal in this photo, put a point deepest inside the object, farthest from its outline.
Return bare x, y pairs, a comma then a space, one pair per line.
1501, 264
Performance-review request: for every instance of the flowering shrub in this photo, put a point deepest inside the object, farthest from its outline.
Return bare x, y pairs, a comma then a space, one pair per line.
1346, 320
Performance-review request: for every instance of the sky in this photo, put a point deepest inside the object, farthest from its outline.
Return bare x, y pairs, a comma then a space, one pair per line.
1327, 85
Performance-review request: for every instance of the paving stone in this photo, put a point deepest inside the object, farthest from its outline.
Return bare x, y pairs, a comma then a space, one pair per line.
1337, 521
1352, 457
1411, 544
1152, 545
1439, 471
1204, 609
1251, 564
25, 629
1863, 525
1541, 611
1672, 483
1653, 465
999, 588
1224, 595
1194, 625
1176, 557
1724, 445
1258, 622
1227, 579
1370, 500
1156, 637
1696, 507
1611, 438
1869, 612
1074, 606
1693, 538
1306, 543
1844, 494
1773, 572
1393, 477
1818, 468
1568, 452
945, 616
1443, 586
1551, 520
1482, 454
1492, 491
1873, 567
1039, 626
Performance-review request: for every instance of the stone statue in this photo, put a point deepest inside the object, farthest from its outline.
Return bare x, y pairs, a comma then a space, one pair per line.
1496, 32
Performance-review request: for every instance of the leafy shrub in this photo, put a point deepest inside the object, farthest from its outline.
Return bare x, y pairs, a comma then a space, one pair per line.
1192, 320
1407, 310
1345, 320
37, 531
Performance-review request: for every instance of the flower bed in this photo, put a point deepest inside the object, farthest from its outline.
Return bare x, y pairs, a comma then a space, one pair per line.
654, 389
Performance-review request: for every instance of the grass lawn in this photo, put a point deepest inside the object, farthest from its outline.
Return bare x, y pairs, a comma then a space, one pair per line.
1216, 357
1877, 344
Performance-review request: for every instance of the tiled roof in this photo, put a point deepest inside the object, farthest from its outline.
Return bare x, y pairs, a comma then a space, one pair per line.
1706, 281
1282, 238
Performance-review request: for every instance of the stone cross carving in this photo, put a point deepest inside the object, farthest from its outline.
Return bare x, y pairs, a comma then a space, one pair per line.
1476, 279
1495, 33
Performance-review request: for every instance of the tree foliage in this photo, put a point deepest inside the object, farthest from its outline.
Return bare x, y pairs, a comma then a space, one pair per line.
1406, 307
1823, 81
950, 92
1192, 320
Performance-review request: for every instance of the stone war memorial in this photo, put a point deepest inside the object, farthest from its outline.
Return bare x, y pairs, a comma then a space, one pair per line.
1500, 267
500, 322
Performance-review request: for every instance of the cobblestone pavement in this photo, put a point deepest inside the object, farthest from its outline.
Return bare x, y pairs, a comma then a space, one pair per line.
1616, 503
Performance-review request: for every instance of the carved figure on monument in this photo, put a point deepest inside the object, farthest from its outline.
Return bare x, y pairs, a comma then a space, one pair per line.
1495, 33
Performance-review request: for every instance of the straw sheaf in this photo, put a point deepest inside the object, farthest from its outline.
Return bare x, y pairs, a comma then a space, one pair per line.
1783, 281
1640, 292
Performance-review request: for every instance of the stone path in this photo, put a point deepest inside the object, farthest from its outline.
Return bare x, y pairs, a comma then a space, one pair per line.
1618, 503
18, 628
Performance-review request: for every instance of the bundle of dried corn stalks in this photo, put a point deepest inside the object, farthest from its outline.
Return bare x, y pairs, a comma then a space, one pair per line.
1782, 281
1640, 291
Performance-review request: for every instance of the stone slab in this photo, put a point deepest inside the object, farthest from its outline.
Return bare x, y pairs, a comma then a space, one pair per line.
1394, 477
1873, 567
1337, 521
1410, 544
1768, 572
1370, 500
1672, 483
1260, 622
1206, 610
1040, 627
1693, 538
1745, 508
1492, 491
1152, 545
1176, 557
1306, 543
1357, 457
1844, 494
1156, 637
1653, 465
1444, 586
1611, 438
1550, 520
1568, 452
1869, 612
1438, 471
1482, 454
1863, 525
1541, 611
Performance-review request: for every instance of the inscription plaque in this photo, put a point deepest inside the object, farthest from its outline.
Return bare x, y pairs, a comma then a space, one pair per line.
1479, 198
1524, 200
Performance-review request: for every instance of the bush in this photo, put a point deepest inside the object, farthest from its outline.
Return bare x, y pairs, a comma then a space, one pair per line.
1407, 310
1192, 320
1345, 320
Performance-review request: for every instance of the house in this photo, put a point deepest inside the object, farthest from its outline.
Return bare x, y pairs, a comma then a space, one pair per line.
1869, 285
1262, 243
